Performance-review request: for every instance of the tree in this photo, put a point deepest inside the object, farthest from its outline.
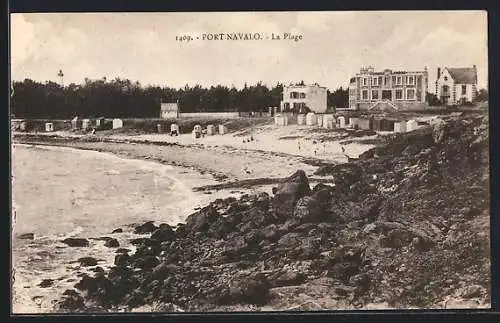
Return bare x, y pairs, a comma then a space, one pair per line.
432, 99
482, 96
338, 99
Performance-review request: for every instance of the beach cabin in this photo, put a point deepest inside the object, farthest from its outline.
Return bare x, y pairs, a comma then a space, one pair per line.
86, 124
319, 120
174, 129
49, 127
117, 123
75, 123
197, 131
270, 111
99, 122
328, 121
386, 125
210, 130
400, 126
159, 128
281, 120
301, 119
363, 124
341, 122
276, 110
412, 125
222, 129
22, 126
353, 123
311, 119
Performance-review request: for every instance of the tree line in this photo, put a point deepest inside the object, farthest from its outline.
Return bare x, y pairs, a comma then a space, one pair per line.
123, 98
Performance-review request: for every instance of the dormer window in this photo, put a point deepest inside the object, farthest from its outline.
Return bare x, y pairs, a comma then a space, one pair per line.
446, 78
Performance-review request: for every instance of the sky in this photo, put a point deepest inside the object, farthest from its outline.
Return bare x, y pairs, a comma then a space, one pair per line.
334, 46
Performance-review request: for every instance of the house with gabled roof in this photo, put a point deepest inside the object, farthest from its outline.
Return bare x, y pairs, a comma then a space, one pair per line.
456, 85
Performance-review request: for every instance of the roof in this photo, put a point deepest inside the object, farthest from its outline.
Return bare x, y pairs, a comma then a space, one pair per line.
169, 107
467, 75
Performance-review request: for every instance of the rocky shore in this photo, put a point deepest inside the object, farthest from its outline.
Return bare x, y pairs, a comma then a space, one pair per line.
405, 225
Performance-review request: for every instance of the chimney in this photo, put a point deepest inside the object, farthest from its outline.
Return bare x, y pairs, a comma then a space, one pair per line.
474, 66
439, 72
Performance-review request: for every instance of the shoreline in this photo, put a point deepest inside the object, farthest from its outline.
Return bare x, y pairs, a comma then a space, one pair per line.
371, 242
229, 166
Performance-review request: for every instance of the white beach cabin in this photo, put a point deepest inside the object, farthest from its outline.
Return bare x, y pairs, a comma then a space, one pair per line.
117, 123
311, 119
49, 127
400, 126
412, 125
222, 129
210, 130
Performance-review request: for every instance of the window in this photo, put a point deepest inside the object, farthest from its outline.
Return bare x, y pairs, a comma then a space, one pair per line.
375, 95
410, 94
365, 94
294, 95
393, 80
375, 80
464, 89
399, 80
399, 94
411, 80
446, 78
302, 95
365, 81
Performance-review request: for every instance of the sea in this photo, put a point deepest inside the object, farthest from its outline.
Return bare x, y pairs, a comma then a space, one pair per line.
60, 192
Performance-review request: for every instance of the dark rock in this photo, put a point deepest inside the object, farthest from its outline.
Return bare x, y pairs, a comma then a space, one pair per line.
270, 232
252, 289
201, 220
119, 230
71, 301
112, 243
76, 242
235, 248
88, 261
122, 260
163, 233
26, 236
141, 241
146, 262
147, 227
308, 209
397, 238
46, 283
163, 270
361, 281
422, 243
288, 278
288, 193
291, 240
344, 271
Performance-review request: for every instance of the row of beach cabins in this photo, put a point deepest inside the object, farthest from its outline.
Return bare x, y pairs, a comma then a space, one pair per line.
330, 121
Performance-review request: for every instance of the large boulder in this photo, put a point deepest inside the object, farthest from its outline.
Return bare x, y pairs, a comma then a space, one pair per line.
288, 193
251, 289
163, 233
308, 209
76, 242
200, 221
147, 227
72, 301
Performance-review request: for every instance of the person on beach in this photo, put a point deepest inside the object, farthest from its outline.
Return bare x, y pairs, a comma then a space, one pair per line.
298, 142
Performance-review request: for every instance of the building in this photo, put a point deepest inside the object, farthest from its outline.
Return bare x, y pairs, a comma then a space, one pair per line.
169, 111
387, 90
297, 97
456, 85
